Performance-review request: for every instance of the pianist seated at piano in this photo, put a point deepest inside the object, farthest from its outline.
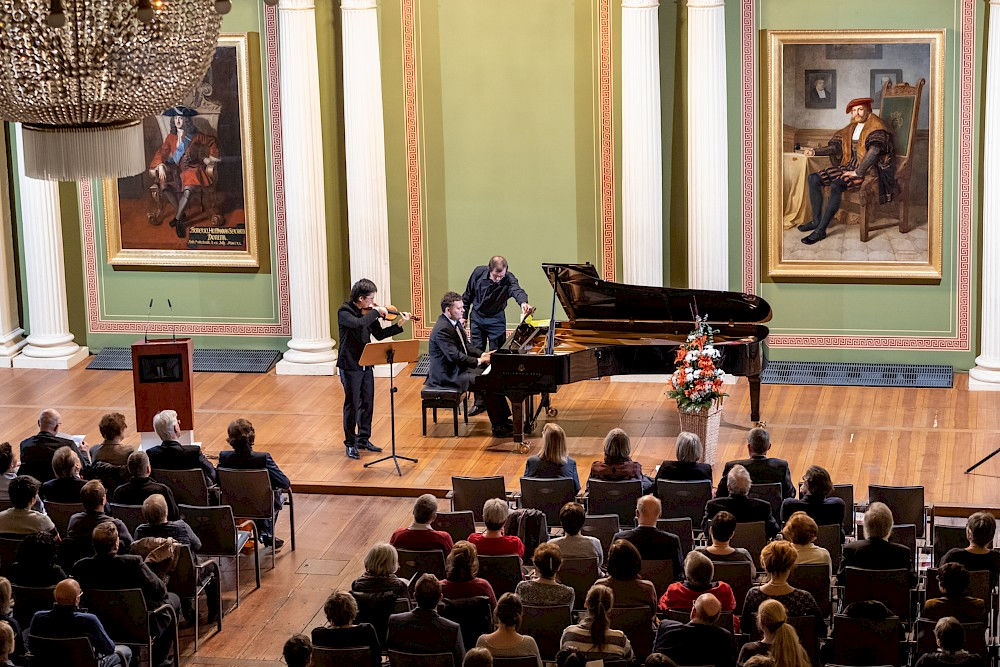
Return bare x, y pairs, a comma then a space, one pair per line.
618, 465
553, 462
456, 364
687, 467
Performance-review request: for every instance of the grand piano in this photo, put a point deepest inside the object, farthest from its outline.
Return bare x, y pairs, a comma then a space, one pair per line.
617, 329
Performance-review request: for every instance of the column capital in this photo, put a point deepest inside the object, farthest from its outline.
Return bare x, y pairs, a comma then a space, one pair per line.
644, 4
358, 4
706, 4
309, 5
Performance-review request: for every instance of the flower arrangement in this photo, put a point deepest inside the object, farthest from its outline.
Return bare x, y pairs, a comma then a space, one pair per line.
696, 383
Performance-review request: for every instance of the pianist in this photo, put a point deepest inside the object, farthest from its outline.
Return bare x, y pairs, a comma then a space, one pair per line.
456, 364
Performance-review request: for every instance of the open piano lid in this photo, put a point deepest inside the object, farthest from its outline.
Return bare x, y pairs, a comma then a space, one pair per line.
585, 296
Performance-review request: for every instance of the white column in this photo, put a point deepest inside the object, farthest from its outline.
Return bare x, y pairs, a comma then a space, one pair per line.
310, 351
986, 375
50, 343
11, 333
708, 171
642, 183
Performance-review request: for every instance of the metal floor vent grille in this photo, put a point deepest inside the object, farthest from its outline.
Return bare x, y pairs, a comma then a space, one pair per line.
423, 367
853, 374
206, 361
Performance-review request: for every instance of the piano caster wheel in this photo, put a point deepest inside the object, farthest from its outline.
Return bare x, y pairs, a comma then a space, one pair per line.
760, 424
523, 447
552, 412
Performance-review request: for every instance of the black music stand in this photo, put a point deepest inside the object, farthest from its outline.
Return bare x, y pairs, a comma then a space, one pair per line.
390, 352
983, 460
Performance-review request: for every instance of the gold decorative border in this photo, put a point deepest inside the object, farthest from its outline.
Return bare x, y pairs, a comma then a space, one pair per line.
249, 258
896, 271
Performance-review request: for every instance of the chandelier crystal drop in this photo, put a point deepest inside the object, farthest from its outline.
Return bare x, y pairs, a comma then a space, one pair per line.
80, 75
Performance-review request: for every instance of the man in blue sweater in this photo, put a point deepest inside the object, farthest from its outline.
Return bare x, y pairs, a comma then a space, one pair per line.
65, 620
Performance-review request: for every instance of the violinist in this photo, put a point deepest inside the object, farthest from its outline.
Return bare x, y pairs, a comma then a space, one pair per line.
358, 322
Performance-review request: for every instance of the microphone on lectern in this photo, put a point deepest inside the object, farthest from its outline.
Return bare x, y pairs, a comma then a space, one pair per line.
149, 312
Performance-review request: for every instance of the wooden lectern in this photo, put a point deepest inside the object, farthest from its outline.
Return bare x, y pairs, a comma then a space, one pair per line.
163, 379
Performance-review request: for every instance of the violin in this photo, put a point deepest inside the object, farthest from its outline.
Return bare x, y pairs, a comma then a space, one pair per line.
391, 313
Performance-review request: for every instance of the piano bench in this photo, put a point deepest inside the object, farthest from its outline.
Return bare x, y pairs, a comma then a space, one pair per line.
434, 398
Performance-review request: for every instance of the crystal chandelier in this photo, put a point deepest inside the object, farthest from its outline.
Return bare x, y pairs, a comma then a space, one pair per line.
80, 75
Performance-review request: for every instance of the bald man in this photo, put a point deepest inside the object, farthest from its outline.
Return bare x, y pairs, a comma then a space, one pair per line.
38, 450
66, 620
653, 543
699, 642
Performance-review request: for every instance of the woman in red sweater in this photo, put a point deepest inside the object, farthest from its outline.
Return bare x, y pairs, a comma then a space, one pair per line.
493, 542
460, 580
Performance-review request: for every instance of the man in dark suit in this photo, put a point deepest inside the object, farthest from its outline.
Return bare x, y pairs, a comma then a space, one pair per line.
876, 552
699, 642
653, 543
107, 570
423, 630
38, 450
358, 323
455, 362
740, 505
171, 454
141, 486
762, 469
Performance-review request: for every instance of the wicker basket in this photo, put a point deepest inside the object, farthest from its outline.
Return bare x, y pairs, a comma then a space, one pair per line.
705, 424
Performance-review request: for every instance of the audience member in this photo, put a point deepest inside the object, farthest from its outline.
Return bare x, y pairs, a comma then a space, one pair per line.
876, 552
420, 536
65, 488
553, 462
107, 570
341, 632
7, 644
618, 465
802, 532
721, 532
423, 630
700, 641
593, 637
762, 469
38, 450
170, 454
8, 464
7, 616
572, 544
297, 651
18, 519
778, 559
652, 543
570, 658
688, 466
544, 590
979, 555
760, 661
815, 500
744, 508
780, 641
506, 641
65, 620
381, 564
698, 574
658, 659
112, 450
461, 581
82, 524
241, 436
953, 580
950, 637
36, 565
478, 657
141, 486
630, 590
492, 542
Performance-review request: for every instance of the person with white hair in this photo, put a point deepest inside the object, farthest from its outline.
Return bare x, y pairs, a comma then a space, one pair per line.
420, 536
492, 541
38, 450
171, 454
741, 505
688, 466
763, 469
876, 552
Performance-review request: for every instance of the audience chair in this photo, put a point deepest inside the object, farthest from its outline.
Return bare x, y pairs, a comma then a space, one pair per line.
250, 495
471, 493
402, 659
547, 495
771, 493
660, 573
8, 552
459, 525
503, 573
76, 651
188, 486
814, 578
975, 638
473, 615
222, 538
376, 608
890, 587
906, 503
603, 527
60, 514
6, 505
725, 620
339, 657
809, 638
619, 498
684, 499
906, 534
546, 625
185, 580
130, 515
829, 539
29, 600
637, 624
737, 575
579, 574
125, 618
846, 493
861, 641
683, 529
947, 538
415, 563
751, 536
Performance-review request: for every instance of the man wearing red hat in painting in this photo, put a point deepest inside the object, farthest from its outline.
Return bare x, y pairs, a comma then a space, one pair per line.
865, 143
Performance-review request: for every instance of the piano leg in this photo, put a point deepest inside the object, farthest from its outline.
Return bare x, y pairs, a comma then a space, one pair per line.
517, 416
754, 398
